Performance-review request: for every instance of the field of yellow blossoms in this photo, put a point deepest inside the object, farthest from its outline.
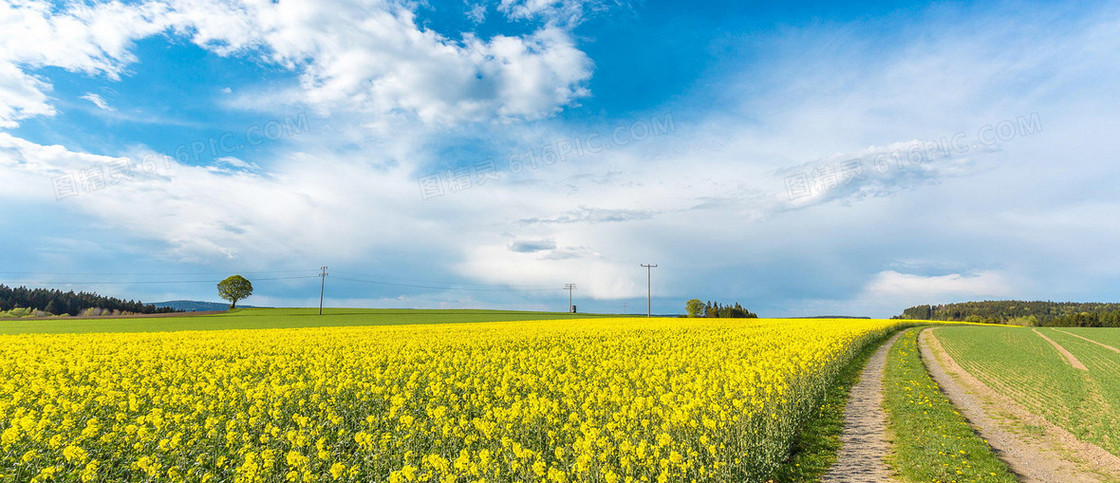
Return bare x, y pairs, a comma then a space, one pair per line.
607, 400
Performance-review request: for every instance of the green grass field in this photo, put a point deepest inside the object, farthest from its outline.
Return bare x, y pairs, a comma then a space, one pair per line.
1105, 335
1020, 364
275, 319
932, 441
1103, 381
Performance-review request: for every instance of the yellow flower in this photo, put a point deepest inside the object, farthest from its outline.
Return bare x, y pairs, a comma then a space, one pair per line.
89, 473
74, 454
46, 474
295, 459
567, 400
337, 470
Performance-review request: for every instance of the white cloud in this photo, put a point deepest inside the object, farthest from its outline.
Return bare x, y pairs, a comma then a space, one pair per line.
305, 205
599, 276
98, 101
558, 12
888, 292
21, 96
372, 57
477, 12
91, 39
897, 286
29, 170
878, 171
364, 56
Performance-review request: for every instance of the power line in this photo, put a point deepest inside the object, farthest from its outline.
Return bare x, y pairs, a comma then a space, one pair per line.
472, 289
36, 272
439, 283
430, 285
138, 282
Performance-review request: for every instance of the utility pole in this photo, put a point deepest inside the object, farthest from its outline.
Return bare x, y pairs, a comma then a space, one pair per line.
649, 290
624, 305
322, 286
569, 287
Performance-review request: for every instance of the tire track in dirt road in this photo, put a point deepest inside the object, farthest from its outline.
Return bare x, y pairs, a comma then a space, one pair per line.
1106, 346
1070, 358
863, 442
1054, 455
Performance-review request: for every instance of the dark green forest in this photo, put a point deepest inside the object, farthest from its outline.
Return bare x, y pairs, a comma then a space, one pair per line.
57, 302
1017, 312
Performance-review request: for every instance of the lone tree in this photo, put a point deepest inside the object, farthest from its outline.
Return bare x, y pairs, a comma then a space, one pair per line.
694, 307
234, 288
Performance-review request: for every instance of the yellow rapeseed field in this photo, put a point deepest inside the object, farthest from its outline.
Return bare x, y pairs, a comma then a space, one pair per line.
606, 400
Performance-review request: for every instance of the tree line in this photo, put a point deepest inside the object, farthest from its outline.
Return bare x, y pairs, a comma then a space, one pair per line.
1017, 312
1087, 319
57, 302
696, 308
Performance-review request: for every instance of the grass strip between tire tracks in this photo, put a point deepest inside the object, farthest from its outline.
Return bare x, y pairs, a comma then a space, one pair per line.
932, 441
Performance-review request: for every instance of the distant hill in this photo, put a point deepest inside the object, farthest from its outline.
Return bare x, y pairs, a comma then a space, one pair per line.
196, 306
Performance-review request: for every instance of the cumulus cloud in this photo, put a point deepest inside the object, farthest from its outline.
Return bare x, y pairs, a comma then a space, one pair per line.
21, 96
364, 56
93, 39
30, 169
373, 57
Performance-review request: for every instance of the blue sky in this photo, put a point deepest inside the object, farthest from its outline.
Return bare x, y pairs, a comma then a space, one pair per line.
802, 160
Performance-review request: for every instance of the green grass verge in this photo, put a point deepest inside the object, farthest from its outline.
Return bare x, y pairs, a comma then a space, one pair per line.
932, 441
815, 446
275, 319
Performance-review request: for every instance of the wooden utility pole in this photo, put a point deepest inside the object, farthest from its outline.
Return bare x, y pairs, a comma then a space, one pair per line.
649, 291
569, 287
322, 287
